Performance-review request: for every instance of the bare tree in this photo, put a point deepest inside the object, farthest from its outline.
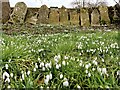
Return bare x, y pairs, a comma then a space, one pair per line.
88, 3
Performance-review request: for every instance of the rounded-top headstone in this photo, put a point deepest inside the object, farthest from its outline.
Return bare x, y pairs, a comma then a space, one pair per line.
43, 14
19, 13
5, 10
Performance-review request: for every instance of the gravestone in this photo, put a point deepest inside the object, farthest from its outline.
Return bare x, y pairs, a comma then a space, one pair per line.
19, 13
54, 16
84, 15
104, 15
43, 15
63, 16
95, 18
74, 18
5, 10
33, 19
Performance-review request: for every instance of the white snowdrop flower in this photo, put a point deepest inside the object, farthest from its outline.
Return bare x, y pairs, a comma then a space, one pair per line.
57, 58
47, 88
41, 87
63, 62
5, 74
67, 63
118, 72
99, 69
46, 81
23, 77
8, 86
43, 68
66, 83
95, 62
47, 77
66, 57
40, 50
93, 69
80, 64
103, 60
34, 69
36, 66
50, 76
41, 64
87, 66
38, 59
7, 80
89, 74
61, 76
6, 66
57, 66
22, 72
78, 87
28, 73
104, 71
86, 71
11, 74
119, 63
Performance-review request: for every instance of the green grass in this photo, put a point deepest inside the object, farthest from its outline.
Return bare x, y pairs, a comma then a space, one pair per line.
71, 54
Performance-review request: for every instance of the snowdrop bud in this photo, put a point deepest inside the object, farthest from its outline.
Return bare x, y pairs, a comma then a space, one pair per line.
78, 87
46, 81
36, 66
86, 71
23, 77
6, 66
104, 71
61, 76
50, 76
28, 73
38, 59
11, 74
43, 68
57, 66
89, 74
119, 63
63, 62
118, 72
103, 60
66, 83
93, 69
34, 69
8, 86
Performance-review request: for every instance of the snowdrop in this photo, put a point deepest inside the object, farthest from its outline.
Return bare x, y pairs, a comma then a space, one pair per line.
28, 73
57, 66
57, 58
95, 62
118, 72
41, 64
63, 62
78, 87
43, 68
36, 66
61, 76
66, 83
89, 74
6, 66
23, 77
104, 71
8, 86
11, 74
87, 66
46, 81
34, 69
5, 74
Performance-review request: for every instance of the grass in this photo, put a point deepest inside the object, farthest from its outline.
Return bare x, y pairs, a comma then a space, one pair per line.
84, 59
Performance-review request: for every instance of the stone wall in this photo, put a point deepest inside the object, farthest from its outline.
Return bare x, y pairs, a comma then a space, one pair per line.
59, 16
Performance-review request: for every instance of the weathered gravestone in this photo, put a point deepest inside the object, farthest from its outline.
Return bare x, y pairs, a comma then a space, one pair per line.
19, 13
84, 15
43, 15
63, 16
74, 17
95, 18
54, 16
5, 10
104, 15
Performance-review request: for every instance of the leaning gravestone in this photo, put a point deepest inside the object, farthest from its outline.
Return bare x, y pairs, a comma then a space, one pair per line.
43, 15
63, 16
54, 16
5, 10
104, 15
95, 18
74, 18
19, 13
84, 17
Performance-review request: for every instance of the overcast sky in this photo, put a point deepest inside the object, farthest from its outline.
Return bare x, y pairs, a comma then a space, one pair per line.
49, 3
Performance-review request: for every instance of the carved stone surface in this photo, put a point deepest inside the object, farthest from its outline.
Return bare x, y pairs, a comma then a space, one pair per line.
43, 15
95, 18
19, 13
84, 17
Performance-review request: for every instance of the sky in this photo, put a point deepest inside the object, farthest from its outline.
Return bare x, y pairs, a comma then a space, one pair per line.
51, 3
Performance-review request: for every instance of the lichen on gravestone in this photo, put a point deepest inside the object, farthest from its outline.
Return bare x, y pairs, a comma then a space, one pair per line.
19, 13
95, 18
84, 15
63, 16
54, 15
104, 15
43, 15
